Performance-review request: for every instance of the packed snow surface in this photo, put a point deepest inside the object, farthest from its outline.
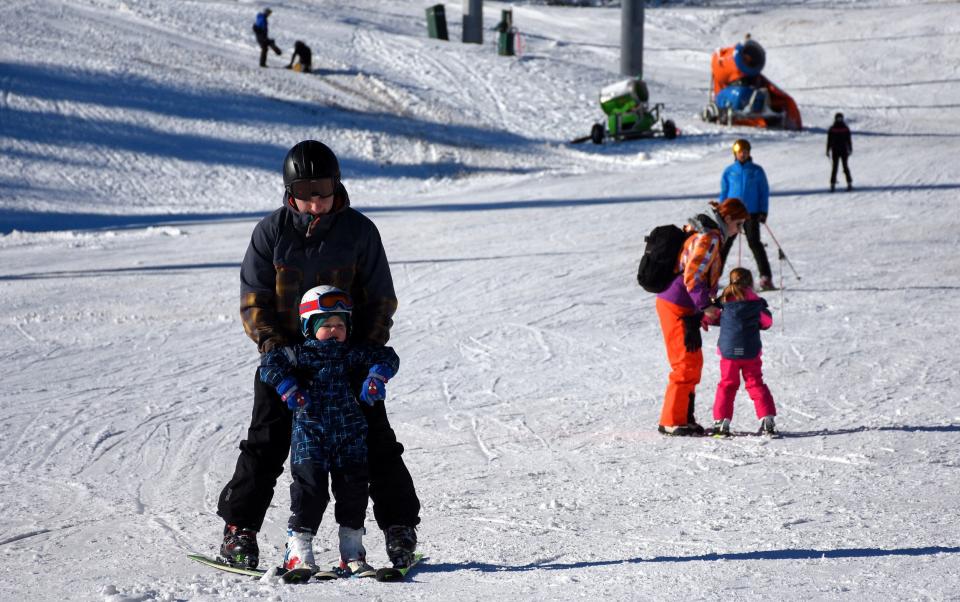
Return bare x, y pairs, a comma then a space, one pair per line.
141, 143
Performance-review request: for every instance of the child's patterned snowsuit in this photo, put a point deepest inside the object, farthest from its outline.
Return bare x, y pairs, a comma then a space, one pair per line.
329, 434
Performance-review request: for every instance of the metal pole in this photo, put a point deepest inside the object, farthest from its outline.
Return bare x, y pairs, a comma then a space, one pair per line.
473, 21
631, 38
782, 255
783, 313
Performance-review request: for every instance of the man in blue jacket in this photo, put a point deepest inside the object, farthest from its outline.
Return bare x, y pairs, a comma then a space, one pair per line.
261, 30
745, 180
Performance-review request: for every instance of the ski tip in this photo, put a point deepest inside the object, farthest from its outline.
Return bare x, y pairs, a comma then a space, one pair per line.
389, 574
297, 576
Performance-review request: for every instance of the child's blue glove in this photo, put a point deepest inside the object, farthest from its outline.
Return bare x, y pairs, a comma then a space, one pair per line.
374, 388
291, 393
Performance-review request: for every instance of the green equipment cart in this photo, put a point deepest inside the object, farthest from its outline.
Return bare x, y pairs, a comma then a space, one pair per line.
629, 114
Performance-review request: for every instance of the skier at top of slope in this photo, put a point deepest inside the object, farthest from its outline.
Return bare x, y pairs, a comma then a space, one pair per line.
261, 29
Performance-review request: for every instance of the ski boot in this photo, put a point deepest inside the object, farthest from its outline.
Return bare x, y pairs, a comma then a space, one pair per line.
768, 426
401, 544
682, 430
766, 284
721, 428
299, 552
239, 547
353, 556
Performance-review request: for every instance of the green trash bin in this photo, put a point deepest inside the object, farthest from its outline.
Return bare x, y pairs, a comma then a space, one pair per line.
507, 33
505, 42
437, 22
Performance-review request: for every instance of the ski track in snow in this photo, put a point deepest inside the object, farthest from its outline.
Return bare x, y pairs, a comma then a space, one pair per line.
139, 144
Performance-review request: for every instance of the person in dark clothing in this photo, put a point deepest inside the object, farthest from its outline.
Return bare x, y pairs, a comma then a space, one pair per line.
840, 145
315, 238
301, 51
261, 30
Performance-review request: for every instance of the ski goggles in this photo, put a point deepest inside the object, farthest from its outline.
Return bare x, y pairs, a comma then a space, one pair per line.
307, 189
328, 302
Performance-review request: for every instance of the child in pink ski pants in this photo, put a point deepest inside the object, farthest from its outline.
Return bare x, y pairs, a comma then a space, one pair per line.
744, 315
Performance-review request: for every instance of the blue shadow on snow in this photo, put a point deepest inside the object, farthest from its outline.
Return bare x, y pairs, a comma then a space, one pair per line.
131, 91
134, 92
799, 554
180, 267
41, 222
944, 428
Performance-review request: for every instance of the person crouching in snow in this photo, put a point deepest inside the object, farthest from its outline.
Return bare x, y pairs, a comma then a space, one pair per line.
329, 430
743, 315
303, 54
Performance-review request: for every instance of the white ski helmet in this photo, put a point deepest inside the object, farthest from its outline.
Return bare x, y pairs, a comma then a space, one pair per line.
324, 300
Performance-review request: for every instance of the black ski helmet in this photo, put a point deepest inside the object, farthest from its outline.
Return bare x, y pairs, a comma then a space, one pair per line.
310, 160
838, 117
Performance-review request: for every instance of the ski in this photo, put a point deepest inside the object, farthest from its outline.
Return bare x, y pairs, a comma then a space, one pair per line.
223, 566
294, 576
327, 575
362, 574
390, 574
735, 434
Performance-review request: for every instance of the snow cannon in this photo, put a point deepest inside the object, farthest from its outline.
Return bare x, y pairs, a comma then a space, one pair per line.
629, 115
741, 95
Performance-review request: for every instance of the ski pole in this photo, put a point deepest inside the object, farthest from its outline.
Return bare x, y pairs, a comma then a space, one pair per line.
780, 254
783, 318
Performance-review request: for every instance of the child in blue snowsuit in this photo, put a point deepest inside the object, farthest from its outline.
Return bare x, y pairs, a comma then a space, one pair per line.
329, 430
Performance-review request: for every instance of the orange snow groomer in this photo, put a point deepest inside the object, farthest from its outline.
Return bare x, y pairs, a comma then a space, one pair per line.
740, 95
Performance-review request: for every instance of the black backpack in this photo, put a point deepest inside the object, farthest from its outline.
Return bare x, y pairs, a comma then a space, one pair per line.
659, 262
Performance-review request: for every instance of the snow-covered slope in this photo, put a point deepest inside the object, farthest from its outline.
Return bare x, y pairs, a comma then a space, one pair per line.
140, 143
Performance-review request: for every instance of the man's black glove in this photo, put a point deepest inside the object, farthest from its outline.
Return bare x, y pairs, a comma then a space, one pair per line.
760, 217
691, 332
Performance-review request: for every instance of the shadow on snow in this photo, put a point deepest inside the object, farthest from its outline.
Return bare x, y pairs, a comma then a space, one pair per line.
28, 221
132, 92
944, 428
180, 267
799, 554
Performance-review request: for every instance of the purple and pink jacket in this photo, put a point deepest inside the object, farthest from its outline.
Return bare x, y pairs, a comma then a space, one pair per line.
699, 265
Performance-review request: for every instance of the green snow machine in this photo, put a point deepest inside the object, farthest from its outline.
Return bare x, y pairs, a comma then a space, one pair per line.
629, 115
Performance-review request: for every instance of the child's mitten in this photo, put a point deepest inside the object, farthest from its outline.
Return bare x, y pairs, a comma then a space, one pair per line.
291, 393
374, 388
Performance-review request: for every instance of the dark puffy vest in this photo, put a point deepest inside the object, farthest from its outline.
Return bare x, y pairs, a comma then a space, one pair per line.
740, 329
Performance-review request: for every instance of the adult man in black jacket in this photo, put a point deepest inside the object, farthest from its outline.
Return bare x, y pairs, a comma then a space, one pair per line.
840, 144
315, 238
